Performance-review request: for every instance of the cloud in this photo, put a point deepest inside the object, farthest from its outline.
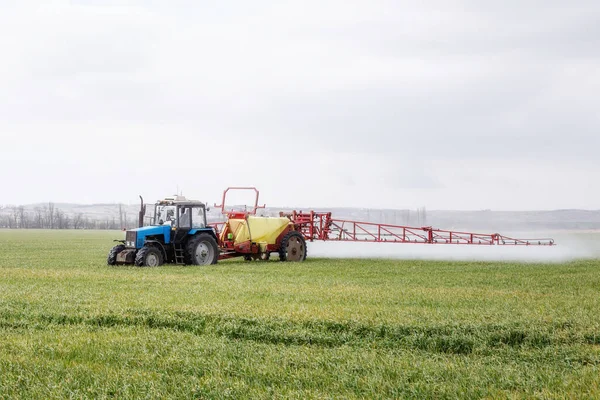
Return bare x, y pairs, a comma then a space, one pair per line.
361, 103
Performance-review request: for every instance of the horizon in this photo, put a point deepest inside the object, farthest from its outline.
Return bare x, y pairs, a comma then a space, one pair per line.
297, 207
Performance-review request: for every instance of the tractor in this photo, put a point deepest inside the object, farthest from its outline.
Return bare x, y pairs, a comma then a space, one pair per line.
178, 234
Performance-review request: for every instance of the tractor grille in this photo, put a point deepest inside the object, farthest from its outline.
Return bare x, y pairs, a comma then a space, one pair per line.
131, 236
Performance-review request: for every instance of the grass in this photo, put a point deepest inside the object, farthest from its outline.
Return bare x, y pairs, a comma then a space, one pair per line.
72, 327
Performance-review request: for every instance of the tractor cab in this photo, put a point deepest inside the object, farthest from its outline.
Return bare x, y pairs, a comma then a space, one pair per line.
180, 213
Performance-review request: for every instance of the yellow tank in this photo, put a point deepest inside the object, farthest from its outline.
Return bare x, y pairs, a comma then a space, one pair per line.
260, 230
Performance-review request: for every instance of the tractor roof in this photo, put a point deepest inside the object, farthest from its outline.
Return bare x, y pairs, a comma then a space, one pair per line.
180, 201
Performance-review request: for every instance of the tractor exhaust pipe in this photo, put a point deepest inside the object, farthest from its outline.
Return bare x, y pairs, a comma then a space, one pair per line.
142, 212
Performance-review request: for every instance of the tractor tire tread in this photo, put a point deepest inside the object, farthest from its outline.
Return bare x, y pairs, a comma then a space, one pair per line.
284, 243
140, 257
112, 254
193, 242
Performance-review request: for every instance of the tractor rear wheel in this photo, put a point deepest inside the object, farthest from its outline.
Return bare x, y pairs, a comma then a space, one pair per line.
148, 256
293, 247
112, 254
202, 249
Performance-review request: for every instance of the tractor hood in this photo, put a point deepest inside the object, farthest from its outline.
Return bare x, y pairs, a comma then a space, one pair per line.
149, 230
142, 233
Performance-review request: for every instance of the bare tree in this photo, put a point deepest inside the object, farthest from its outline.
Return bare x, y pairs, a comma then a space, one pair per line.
121, 215
13, 217
89, 223
50, 215
23, 218
38, 218
66, 221
78, 221
59, 219
110, 224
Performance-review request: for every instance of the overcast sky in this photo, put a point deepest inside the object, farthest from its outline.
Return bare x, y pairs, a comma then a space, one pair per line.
443, 104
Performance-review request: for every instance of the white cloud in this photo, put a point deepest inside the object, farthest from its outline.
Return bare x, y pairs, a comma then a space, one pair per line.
318, 103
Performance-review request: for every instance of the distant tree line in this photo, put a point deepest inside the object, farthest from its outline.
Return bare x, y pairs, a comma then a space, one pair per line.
49, 216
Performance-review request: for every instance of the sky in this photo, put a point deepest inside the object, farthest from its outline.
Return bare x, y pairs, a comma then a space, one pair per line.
462, 105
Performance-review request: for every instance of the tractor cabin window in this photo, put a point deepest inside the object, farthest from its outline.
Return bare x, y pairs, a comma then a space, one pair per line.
165, 215
198, 218
185, 218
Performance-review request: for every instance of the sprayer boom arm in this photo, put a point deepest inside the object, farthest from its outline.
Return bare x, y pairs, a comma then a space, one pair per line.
320, 226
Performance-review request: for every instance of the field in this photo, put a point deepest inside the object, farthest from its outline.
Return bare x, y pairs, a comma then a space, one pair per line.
72, 327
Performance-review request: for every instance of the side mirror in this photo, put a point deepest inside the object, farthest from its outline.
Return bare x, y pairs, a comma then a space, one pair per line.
160, 222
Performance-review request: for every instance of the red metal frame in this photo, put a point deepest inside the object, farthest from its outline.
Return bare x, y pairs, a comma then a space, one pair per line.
230, 249
218, 226
223, 205
320, 226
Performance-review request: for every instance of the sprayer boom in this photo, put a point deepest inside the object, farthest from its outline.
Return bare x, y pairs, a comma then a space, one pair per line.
244, 234
321, 226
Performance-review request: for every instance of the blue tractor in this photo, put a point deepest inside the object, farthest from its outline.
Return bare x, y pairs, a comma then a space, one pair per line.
178, 234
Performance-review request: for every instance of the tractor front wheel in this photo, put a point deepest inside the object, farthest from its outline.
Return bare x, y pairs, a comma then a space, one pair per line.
148, 256
293, 247
112, 254
202, 249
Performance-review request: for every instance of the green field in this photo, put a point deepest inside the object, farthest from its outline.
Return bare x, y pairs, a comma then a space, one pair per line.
72, 327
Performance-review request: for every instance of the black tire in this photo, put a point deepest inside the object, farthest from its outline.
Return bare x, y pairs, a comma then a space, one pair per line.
247, 257
149, 256
293, 247
112, 254
202, 249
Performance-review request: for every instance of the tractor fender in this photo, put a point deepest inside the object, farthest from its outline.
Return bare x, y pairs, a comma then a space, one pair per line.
159, 246
196, 231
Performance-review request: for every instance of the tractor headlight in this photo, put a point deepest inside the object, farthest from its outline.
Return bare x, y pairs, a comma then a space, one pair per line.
130, 239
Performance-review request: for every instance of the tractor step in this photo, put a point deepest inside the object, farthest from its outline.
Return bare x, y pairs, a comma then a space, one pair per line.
179, 254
